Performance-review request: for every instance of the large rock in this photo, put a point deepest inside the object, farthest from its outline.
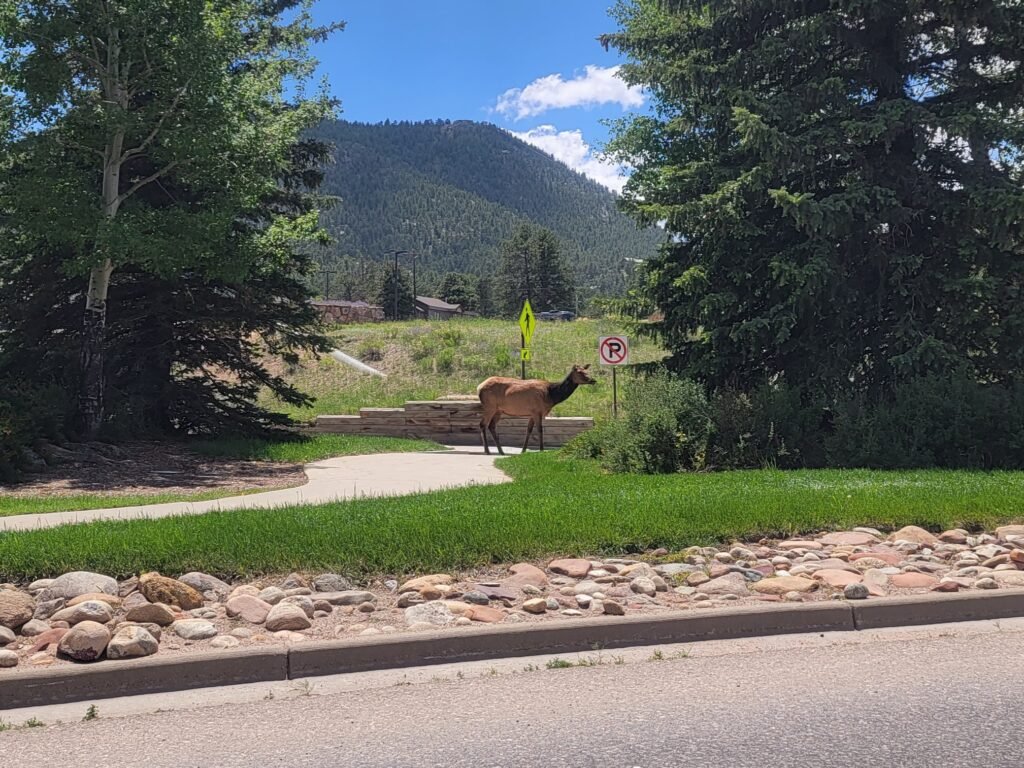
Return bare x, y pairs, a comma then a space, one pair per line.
497, 593
287, 616
572, 567
915, 534
194, 629
46, 609
780, 585
48, 638
306, 604
1009, 530
437, 614
347, 597
161, 589
331, 582
431, 580
204, 582
8, 659
112, 600
34, 628
76, 583
248, 608
131, 642
729, 584
151, 613
643, 586
485, 614
85, 641
7, 636
913, 581
90, 610
526, 574
847, 539
16, 608
272, 595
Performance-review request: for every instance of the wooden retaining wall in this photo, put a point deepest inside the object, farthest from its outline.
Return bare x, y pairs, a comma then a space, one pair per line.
452, 422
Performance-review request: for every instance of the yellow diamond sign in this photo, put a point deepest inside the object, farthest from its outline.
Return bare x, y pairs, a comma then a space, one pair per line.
527, 322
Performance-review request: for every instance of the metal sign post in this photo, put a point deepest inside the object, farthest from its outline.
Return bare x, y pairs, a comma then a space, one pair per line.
614, 351
527, 324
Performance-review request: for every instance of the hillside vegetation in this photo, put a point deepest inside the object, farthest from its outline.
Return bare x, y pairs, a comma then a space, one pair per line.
426, 360
452, 191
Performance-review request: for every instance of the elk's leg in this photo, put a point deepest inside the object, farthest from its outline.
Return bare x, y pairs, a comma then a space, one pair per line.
483, 436
540, 431
493, 426
529, 431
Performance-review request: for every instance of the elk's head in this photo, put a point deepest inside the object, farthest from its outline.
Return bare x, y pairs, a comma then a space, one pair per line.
579, 375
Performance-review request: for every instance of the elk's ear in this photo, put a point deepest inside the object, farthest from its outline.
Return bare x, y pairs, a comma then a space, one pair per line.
585, 367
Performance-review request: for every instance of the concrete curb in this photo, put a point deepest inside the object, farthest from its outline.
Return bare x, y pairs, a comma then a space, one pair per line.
441, 647
924, 609
150, 675
157, 675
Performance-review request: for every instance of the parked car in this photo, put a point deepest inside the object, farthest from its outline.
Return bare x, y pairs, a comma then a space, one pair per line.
556, 314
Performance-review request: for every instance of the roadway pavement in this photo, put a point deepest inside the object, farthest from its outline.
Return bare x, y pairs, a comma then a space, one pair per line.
947, 695
346, 477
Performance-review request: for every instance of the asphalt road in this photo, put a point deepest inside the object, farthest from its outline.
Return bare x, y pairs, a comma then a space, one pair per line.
929, 698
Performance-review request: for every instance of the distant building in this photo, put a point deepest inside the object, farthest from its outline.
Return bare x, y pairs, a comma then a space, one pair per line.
435, 309
338, 311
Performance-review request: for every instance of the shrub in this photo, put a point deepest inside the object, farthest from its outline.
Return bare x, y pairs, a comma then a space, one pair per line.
27, 414
932, 421
665, 427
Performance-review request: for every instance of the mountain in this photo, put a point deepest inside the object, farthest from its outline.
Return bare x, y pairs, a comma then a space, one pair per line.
452, 191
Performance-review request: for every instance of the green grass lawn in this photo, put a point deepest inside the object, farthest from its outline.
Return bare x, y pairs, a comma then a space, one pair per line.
299, 451
77, 502
424, 360
555, 506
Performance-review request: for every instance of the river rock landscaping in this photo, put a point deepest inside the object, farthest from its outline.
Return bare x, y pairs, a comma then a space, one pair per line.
88, 617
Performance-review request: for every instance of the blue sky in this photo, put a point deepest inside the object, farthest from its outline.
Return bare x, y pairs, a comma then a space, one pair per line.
533, 67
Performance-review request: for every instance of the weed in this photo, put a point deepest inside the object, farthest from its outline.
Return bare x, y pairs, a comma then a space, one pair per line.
303, 687
657, 655
618, 660
5, 726
91, 713
34, 722
559, 664
531, 668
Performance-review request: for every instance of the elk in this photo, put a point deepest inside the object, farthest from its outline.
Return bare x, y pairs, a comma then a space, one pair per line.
532, 398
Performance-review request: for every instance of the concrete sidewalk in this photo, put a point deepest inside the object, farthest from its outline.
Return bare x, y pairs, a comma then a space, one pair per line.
346, 477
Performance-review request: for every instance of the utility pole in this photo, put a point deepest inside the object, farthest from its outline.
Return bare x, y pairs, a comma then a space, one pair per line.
415, 295
397, 254
327, 282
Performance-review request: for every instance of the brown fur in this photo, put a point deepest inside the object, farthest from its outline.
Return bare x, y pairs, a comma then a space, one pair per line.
530, 398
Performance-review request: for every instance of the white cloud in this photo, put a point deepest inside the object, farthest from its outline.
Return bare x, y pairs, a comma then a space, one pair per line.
571, 149
598, 85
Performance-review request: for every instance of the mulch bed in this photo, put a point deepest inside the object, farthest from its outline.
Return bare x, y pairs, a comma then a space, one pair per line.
149, 468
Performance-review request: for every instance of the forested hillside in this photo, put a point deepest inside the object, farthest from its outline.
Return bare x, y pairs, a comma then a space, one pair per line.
452, 191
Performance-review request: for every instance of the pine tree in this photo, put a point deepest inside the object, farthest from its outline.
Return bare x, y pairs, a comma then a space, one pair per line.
842, 183
533, 267
485, 296
385, 295
459, 288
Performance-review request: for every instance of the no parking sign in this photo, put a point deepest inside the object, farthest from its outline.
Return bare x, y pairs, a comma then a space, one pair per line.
613, 350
